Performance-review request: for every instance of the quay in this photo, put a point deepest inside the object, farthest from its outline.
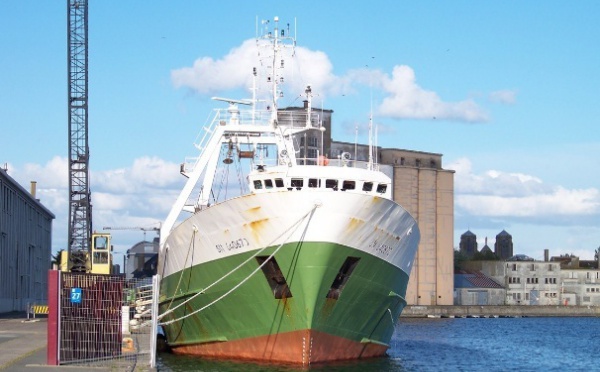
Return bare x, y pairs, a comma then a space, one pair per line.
23, 345
24, 342
418, 311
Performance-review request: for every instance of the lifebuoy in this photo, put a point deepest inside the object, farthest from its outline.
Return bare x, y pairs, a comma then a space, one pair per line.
323, 160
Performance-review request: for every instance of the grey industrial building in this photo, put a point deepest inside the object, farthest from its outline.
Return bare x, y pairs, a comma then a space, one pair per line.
25, 245
142, 260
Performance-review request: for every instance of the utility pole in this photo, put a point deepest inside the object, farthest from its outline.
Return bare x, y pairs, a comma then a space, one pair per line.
80, 206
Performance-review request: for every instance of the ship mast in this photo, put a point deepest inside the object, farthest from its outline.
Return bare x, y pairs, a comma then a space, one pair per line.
274, 73
277, 40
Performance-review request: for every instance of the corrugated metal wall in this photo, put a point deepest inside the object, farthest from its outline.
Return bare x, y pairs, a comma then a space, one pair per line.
25, 246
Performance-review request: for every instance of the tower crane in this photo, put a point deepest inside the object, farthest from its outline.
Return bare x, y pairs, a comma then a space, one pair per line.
80, 206
144, 229
86, 251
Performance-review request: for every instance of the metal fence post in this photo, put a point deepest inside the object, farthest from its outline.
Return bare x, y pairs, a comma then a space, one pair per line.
53, 334
154, 330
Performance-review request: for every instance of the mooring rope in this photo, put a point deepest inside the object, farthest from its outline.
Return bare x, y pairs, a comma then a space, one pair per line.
295, 224
184, 264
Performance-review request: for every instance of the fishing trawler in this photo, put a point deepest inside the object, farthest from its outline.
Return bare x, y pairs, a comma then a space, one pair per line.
307, 263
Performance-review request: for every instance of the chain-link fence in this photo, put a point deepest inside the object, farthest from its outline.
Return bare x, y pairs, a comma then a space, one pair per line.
106, 320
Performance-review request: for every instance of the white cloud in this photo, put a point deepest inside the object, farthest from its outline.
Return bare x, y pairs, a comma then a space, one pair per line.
504, 96
145, 172
136, 196
234, 71
54, 174
208, 76
408, 100
499, 194
404, 97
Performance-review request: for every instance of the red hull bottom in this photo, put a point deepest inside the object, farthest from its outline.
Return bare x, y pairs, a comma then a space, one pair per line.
300, 347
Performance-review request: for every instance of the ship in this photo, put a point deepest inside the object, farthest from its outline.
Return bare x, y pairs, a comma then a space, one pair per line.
308, 262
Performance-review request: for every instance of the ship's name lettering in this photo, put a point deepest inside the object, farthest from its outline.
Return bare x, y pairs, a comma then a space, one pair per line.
232, 245
382, 249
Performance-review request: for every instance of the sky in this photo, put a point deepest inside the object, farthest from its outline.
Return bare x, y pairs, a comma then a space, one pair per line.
506, 91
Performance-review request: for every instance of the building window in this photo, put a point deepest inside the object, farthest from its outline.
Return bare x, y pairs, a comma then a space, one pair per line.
514, 267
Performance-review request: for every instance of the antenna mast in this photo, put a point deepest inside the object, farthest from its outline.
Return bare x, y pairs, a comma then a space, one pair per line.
80, 207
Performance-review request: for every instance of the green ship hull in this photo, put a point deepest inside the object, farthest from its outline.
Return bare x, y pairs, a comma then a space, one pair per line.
311, 302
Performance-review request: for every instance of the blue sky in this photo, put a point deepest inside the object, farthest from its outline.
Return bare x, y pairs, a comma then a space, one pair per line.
506, 91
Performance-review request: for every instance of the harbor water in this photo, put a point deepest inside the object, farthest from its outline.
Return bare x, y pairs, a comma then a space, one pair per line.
462, 344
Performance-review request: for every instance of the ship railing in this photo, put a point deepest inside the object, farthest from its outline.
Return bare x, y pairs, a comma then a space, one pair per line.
336, 163
223, 117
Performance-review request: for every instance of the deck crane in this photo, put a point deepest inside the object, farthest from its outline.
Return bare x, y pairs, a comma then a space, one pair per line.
86, 252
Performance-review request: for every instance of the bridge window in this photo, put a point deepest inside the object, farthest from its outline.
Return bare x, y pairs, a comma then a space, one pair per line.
258, 184
331, 184
268, 184
381, 188
278, 182
348, 185
314, 182
298, 183
367, 186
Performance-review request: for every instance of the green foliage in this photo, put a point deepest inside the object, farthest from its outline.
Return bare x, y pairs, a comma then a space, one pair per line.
485, 256
459, 259
56, 258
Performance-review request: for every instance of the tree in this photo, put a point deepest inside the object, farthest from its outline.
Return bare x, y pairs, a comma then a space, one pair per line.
459, 259
56, 259
485, 256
